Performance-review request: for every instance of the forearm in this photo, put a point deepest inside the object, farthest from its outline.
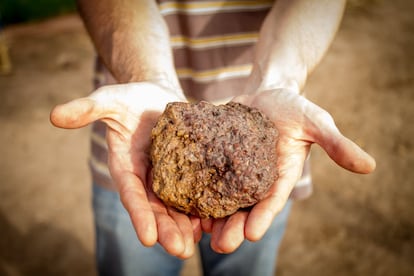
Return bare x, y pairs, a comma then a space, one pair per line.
131, 38
293, 39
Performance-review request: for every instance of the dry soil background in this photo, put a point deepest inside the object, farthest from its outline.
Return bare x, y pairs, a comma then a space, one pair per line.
352, 225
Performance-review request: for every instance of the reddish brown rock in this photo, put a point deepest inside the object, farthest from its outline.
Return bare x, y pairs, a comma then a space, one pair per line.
209, 160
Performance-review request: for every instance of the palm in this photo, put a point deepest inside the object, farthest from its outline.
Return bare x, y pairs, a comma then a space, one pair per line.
300, 124
130, 111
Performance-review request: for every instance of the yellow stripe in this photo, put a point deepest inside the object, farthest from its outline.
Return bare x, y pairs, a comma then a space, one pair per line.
206, 41
100, 140
240, 70
212, 4
212, 7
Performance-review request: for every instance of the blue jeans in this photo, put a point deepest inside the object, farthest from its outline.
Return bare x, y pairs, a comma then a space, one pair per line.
119, 252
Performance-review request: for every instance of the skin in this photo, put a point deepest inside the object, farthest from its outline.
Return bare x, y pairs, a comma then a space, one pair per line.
134, 45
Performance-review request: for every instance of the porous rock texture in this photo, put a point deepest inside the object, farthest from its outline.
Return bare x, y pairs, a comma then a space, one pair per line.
209, 160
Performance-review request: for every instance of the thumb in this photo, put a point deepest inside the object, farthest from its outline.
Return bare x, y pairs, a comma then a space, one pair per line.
340, 149
347, 154
75, 114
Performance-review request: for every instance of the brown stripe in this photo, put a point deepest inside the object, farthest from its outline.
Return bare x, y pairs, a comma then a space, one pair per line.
102, 180
220, 23
99, 128
99, 153
200, 59
213, 91
212, 58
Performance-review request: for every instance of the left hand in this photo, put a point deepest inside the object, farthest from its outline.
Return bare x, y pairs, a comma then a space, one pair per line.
300, 124
130, 111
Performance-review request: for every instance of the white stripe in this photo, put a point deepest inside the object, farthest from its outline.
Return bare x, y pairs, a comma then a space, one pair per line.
99, 166
213, 9
220, 76
98, 139
213, 44
304, 181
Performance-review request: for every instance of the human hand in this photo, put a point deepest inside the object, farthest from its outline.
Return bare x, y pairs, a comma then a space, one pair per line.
130, 111
300, 123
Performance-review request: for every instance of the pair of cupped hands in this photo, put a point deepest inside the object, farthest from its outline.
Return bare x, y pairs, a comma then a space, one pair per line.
131, 110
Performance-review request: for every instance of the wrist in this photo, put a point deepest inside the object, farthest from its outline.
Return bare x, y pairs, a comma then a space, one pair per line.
264, 78
171, 84
161, 79
167, 83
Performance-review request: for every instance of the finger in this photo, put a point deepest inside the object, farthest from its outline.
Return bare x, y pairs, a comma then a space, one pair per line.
263, 213
184, 224
207, 225
348, 155
340, 149
197, 228
169, 235
343, 151
217, 227
168, 232
135, 201
232, 233
175, 230
75, 114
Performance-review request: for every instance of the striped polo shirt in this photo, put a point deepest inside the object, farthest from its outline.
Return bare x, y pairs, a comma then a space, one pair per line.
213, 44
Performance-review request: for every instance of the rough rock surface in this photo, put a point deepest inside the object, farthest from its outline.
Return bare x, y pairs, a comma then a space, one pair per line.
210, 160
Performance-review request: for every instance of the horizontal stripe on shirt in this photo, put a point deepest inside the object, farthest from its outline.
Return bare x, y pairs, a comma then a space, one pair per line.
99, 166
209, 7
213, 58
100, 140
219, 24
216, 74
213, 91
214, 41
213, 44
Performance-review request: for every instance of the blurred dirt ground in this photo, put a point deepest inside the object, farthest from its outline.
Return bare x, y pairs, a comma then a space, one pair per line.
352, 225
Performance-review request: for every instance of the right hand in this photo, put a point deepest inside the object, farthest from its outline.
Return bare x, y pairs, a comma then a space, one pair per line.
300, 123
130, 111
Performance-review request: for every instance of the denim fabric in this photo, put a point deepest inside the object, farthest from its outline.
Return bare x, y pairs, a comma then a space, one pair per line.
119, 252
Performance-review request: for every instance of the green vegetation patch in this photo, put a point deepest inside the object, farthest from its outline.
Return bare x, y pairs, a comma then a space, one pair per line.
16, 11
